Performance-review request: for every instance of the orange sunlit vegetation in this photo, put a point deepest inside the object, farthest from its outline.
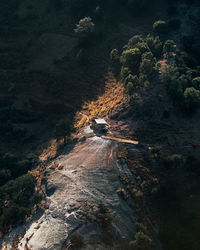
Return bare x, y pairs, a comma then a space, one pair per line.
113, 96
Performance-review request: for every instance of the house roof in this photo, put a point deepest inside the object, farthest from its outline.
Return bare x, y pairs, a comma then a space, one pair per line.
100, 121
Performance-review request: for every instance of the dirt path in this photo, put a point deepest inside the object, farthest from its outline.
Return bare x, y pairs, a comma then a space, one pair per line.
88, 176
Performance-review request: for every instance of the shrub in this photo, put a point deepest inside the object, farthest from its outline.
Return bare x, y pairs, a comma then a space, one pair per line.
36, 198
114, 55
184, 79
76, 240
134, 40
85, 26
191, 99
160, 27
196, 82
155, 150
143, 80
147, 55
174, 87
132, 79
131, 59
129, 87
146, 67
125, 72
141, 242
154, 44
15, 200
10, 215
140, 227
169, 46
104, 216
142, 46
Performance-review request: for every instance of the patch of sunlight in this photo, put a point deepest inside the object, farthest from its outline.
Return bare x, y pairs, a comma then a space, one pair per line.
113, 97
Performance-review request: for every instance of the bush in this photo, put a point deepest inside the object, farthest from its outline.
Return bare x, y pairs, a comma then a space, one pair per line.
125, 72
141, 242
131, 59
169, 47
196, 82
191, 99
132, 79
134, 40
129, 88
114, 55
143, 80
85, 26
104, 216
147, 55
155, 150
146, 67
76, 240
160, 27
15, 200
155, 45
142, 46
140, 227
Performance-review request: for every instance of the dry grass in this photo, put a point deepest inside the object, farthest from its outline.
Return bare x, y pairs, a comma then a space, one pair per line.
113, 97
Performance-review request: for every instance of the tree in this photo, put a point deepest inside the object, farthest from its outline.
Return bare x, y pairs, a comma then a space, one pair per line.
141, 242
129, 87
191, 98
63, 129
196, 82
131, 58
146, 67
154, 44
114, 55
169, 47
85, 26
160, 27
134, 40
125, 71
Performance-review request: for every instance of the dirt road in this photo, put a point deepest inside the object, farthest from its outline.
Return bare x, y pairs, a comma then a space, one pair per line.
88, 176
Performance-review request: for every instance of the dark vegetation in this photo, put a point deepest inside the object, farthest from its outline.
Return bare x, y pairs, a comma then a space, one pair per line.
163, 104
38, 104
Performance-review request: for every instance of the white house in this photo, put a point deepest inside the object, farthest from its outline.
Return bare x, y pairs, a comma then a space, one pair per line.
99, 125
